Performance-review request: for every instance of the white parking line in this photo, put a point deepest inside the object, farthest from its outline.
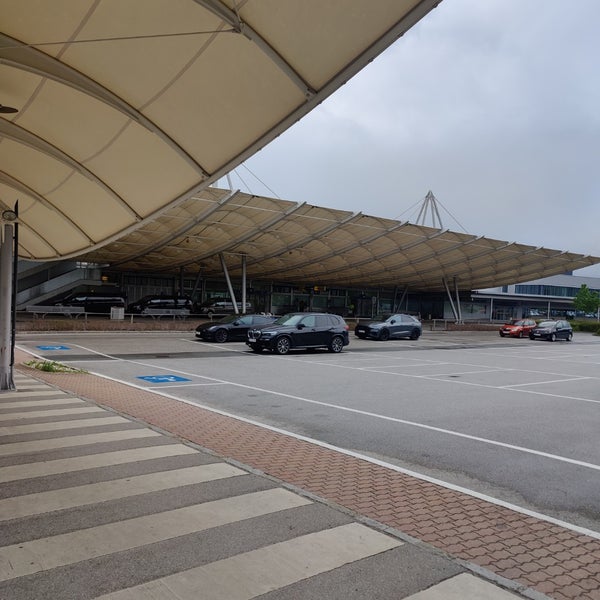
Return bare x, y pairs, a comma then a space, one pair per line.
185, 385
514, 385
372, 415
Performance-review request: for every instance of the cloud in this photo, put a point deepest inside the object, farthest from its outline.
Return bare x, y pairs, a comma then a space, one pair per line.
491, 105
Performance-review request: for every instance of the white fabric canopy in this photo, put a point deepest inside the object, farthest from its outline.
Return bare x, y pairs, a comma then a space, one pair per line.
301, 243
128, 110
128, 107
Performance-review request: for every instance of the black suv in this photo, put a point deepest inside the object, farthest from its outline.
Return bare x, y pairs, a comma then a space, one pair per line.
149, 305
94, 302
301, 331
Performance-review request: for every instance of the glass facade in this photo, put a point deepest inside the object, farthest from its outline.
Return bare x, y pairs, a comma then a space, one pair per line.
548, 290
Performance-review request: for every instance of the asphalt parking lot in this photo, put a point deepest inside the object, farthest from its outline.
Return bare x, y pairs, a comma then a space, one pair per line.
513, 420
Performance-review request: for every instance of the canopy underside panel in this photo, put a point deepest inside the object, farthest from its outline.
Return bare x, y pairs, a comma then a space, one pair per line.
284, 241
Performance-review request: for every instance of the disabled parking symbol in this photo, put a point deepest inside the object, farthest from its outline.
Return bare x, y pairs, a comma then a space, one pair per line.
53, 348
162, 378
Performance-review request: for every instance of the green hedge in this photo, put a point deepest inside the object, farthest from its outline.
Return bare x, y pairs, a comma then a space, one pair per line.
588, 326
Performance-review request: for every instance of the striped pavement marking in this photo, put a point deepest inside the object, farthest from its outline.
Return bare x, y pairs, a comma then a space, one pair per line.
28, 394
31, 504
257, 572
34, 387
463, 587
47, 553
55, 412
60, 425
92, 461
50, 562
75, 440
48, 402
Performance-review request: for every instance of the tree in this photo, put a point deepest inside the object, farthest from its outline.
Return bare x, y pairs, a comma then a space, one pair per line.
586, 300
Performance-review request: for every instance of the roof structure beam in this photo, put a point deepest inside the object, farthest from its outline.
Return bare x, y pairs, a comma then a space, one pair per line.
386, 254
233, 20
11, 131
303, 242
240, 240
20, 186
182, 230
20, 56
357, 244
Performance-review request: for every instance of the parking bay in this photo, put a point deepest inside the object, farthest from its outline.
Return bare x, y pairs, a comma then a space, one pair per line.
512, 419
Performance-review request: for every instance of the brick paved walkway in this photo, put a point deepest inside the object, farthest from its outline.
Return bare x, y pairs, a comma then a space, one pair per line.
548, 558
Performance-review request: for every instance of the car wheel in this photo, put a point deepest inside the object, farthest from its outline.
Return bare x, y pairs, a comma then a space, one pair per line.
552, 337
336, 344
569, 336
220, 336
531, 337
501, 334
520, 334
283, 345
384, 335
415, 334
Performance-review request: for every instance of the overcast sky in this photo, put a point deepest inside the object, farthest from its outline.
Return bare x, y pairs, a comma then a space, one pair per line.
493, 105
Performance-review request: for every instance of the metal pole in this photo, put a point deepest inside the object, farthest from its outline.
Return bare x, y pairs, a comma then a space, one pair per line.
14, 288
445, 282
6, 375
230, 287
460, 319
243, 284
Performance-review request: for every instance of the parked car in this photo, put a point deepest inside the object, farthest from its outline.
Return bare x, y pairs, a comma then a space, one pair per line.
94, 302
301, 331
155, 304
552, 331
517, 328
395, 326
222, 307
232, 327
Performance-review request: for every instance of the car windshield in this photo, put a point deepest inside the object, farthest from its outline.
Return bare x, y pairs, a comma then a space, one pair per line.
229, 319
517, 322
288, 320
546, 324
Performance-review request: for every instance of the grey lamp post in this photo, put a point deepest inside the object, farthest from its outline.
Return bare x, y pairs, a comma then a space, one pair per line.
6, 296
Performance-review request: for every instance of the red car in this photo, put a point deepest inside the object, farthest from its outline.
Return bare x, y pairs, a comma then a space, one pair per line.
517, 328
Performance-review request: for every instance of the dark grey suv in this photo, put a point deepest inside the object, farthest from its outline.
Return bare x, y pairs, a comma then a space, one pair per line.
395, 326
301, 331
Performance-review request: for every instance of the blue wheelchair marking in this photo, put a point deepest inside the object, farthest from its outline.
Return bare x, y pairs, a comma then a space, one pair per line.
53, 347
162, 378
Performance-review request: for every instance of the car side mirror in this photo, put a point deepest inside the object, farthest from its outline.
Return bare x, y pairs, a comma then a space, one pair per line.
301, 326
393, 321
236, 323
